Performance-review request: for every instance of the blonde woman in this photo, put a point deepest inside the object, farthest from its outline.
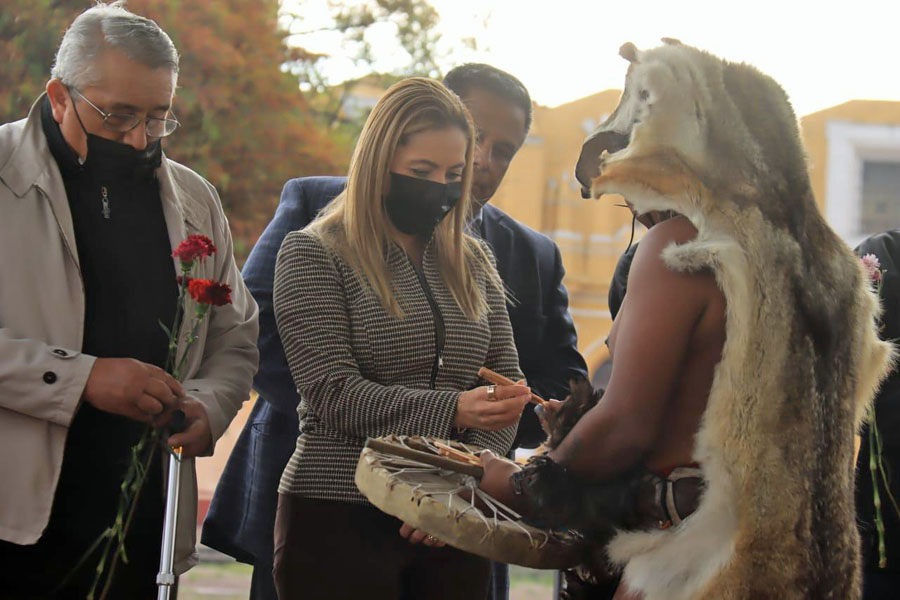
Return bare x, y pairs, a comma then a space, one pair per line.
387, 308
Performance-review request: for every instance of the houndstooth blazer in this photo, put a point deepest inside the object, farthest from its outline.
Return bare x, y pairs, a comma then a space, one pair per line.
361, 372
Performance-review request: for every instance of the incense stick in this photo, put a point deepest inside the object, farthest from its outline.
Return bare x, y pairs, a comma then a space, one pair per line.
498, 379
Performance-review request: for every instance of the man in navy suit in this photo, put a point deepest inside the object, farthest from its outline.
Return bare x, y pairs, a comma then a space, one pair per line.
242, 515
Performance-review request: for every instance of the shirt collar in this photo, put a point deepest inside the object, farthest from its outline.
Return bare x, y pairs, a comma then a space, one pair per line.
475, 222
65, 157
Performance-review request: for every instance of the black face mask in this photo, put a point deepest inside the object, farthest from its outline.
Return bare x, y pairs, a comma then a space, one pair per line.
115, 158
107, 156
416, 206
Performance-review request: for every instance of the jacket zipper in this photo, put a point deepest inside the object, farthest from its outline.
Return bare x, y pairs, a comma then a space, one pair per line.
104, 198
439, 332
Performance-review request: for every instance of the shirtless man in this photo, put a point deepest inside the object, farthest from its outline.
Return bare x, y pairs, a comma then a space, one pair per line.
666, 342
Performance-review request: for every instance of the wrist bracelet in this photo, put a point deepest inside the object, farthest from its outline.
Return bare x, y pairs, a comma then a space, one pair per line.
517, 482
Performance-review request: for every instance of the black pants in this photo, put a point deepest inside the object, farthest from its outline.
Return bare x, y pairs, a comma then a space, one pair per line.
96, 457
326, 549
36, 572
262, 584
880, 584
499, 581
39, 570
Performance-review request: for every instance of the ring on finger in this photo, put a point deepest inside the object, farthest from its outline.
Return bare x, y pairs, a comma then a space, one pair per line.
491, 392
430, 539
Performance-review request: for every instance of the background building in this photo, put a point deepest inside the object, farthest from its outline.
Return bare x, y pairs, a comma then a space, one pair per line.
540, 190
854, 156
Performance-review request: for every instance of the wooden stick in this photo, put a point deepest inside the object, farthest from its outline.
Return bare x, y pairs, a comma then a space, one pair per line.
498, 379
451, 452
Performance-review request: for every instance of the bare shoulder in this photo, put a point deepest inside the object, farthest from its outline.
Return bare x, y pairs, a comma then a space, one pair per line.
648, 257
656, 286
678, 230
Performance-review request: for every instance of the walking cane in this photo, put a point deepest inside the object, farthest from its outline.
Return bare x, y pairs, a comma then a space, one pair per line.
165, 579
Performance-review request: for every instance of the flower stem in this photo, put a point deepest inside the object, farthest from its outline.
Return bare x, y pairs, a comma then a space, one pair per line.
874, 461
887, 487
113, 538
109, 532
120, 549
199, 313
133, 483
179, 318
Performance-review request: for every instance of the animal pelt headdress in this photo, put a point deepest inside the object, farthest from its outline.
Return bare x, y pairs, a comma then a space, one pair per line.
718, 143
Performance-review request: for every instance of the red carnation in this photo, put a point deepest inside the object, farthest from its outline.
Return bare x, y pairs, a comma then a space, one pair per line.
193, 247
206, 291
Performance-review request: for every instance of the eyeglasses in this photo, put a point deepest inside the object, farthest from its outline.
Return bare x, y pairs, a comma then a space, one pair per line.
124, 122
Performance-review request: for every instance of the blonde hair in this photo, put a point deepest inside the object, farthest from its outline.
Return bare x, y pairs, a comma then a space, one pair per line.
355, 224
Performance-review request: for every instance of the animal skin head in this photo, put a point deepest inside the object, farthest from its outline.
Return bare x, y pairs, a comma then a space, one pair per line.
688, 124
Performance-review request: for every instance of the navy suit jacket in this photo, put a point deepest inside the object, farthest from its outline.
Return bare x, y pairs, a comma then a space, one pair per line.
241, 517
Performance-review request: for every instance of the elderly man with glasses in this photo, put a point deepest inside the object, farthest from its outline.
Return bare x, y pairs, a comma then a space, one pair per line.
91, 210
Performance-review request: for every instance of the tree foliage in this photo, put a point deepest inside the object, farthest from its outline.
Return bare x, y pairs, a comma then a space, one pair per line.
30, 31
245, 125
414, 22
410, 23
257, 103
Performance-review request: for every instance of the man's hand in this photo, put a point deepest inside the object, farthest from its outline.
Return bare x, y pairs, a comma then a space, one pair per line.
417, 536
196, 437
495, 481
477, 411
545, 412
129, 387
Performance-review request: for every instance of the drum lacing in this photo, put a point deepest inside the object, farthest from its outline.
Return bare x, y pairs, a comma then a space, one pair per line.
398, 466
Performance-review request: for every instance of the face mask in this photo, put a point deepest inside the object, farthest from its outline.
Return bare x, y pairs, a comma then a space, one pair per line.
416, 206
107, 156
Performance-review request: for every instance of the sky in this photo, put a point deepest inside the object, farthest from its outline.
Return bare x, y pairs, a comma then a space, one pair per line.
823, 53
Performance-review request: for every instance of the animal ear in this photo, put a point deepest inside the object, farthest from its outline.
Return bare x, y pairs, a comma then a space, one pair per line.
671, 41
629, 52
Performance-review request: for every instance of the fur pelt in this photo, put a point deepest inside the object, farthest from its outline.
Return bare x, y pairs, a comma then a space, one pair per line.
718, 143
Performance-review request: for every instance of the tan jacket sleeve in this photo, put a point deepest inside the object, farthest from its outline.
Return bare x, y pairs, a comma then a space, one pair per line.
230, 357
41, 380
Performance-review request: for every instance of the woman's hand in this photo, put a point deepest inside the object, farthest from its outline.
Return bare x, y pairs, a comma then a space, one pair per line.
495, 481
476, 410
417, 536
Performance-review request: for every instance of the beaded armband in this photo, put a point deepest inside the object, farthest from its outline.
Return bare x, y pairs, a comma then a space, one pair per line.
558, 499
548, 489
